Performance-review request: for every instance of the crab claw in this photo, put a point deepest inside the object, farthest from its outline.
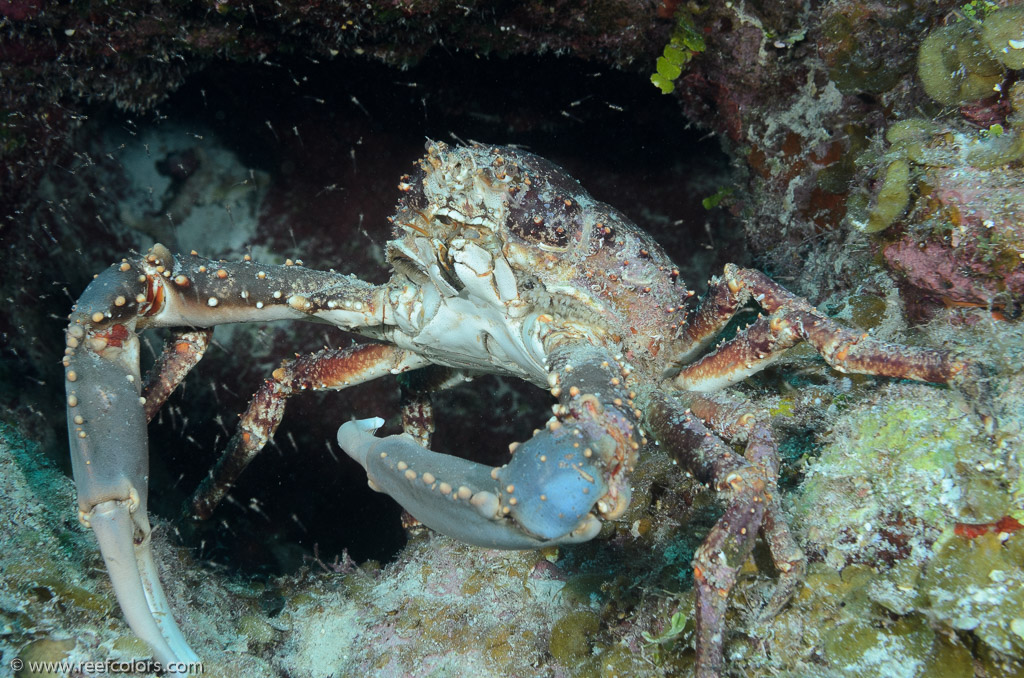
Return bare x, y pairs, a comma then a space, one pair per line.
480, 504
136, 583
107, 435
553, 490
107, 420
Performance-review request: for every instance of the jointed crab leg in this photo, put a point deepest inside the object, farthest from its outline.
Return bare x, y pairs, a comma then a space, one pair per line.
737, 421
416, 402
752, 480
716, 309
106, 419
181, 353
793, 320
329, 369
719, 558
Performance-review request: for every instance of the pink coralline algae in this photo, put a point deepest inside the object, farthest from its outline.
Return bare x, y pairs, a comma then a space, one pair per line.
975, 253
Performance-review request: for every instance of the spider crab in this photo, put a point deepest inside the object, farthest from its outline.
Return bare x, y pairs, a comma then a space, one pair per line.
502, 264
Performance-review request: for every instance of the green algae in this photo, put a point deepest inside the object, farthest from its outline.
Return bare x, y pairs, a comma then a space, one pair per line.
1017, 499
571, 636
917, 143
837, 618
895, 437
130, 647
909, 138
895, 475
971, 586
854, 58
955, 66
676, 626
1003, 34
715, 199
836, 177
256, 631
43, 650
892, 199
877, 651
617, 661
784, 408
686, 42
977, 585
896, 590
991, 150
899, 592
584, 588
967, 60
867, 311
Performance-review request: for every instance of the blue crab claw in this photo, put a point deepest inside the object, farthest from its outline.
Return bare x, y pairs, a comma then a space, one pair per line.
106, 414
107, 434
542, 497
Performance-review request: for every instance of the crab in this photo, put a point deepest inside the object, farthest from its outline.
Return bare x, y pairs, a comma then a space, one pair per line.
502, 264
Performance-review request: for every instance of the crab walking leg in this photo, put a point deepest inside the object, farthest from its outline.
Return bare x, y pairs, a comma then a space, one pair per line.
738, 421
789, 559
416, 402
417, 405
550, 490
106, 420
418, 416
716, 309
763, 452
749, 352
719, 558
329, 369
793, 320
730, 417
181, 353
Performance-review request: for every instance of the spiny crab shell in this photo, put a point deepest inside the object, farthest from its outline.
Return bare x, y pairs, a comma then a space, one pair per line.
581, 261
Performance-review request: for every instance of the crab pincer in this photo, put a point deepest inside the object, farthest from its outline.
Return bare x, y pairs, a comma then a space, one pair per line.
110, 461
558, 485
108, 405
